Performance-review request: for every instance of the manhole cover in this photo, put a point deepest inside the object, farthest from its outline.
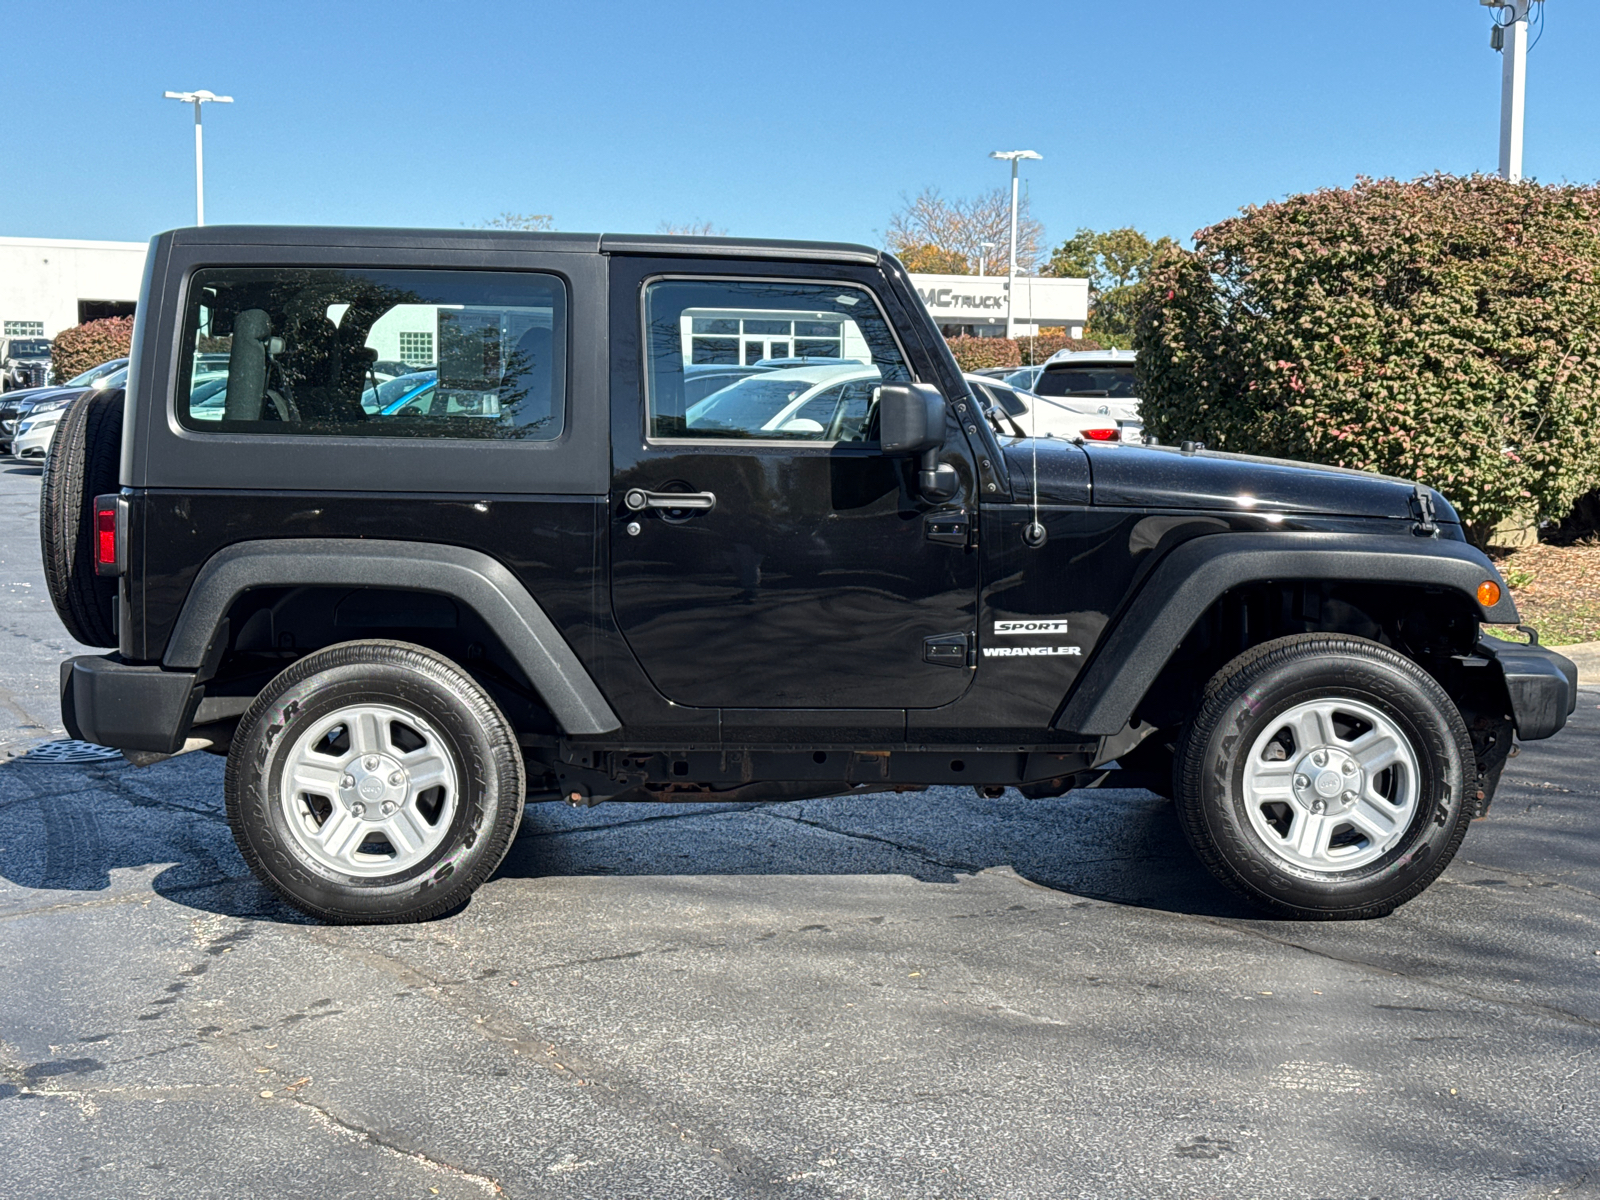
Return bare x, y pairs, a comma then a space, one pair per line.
69, 751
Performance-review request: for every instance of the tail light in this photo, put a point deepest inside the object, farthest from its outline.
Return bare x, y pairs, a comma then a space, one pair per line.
1100, 435
110, 534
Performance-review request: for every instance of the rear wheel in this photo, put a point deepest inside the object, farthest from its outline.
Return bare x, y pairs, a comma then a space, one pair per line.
374, 782
1325, 777
84, 460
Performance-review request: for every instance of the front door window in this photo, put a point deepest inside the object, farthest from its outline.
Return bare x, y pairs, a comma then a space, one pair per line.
836, 332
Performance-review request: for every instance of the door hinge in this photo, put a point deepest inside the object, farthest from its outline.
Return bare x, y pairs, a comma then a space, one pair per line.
951, 650
951, 528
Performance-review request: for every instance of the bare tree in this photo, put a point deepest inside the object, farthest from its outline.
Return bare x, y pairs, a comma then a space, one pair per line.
522, 222
692, 229
961, 227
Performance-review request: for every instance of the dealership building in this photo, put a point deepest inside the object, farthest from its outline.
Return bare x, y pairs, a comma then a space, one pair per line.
48, 284
51, 284
975, 305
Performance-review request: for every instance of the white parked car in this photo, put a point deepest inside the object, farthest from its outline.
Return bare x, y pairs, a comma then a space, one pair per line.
1092, 381
33, 435
815, 403
1025, 414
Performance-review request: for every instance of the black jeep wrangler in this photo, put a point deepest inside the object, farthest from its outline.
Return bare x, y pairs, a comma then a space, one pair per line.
414, 526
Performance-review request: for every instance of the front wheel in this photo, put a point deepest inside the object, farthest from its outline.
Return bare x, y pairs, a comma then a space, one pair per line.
1325, 777
374, 782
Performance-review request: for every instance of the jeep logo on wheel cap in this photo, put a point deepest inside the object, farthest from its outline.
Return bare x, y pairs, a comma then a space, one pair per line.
371, 788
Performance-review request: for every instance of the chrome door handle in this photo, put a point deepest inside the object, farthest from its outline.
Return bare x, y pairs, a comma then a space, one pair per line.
637, 500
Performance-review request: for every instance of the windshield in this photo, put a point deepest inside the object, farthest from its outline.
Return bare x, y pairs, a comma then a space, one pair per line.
1089, 381
747, 405
92, 374
29, 348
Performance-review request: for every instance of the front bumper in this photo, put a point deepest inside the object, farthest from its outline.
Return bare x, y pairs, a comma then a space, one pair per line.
1541, 685
112, 703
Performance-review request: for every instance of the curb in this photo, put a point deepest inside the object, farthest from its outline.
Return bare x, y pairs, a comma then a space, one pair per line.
1587, 656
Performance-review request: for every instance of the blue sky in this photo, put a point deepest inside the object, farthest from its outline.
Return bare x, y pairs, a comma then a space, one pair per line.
800, 120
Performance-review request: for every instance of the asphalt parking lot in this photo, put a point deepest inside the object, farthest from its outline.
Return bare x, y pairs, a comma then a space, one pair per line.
891, 996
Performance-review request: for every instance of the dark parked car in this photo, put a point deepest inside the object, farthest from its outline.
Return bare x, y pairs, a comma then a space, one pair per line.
24, 362
13, 414
553, 582
16, 404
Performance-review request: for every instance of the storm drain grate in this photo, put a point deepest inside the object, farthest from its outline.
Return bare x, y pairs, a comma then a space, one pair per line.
70, 751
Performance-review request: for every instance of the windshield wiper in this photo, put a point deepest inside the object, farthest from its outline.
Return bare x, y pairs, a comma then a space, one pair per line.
994, 412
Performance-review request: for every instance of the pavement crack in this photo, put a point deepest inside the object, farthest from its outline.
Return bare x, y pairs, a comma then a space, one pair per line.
71, 905
27, 720
613, 1088
1528, 1007
914, 852
349, 1130
606, 826
1537, 879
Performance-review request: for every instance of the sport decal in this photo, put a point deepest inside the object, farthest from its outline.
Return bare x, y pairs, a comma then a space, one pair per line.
1045, 625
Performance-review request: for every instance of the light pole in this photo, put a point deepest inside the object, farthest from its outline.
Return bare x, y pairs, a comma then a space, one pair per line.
197, 99
1011, 273
983, 256
1510, 37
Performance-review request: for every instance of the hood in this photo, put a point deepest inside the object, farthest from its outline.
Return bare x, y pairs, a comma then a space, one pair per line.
34, 396
1167, 477
18, 395
1116, 475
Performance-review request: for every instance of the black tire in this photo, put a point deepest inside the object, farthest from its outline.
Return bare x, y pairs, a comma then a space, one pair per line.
84, 461
1241, 704
480, 743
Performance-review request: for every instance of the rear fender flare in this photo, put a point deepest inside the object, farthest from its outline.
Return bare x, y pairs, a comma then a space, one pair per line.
1194, 575
468, 576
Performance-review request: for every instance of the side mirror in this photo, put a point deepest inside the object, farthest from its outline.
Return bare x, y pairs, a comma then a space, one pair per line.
911, 421
910, 418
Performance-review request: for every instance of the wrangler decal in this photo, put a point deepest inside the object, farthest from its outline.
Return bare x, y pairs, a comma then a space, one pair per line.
1029, 651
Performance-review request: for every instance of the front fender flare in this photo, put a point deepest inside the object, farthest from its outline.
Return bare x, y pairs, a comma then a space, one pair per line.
473, 578
1191, 577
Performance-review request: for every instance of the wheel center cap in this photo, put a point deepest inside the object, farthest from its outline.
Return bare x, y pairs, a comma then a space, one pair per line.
374, 786
1327, 781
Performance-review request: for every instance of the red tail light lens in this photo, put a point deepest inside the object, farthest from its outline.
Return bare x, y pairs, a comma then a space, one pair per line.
106, 511
1100, 435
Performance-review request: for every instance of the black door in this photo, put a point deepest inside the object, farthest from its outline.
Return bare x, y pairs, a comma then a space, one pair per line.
801, 570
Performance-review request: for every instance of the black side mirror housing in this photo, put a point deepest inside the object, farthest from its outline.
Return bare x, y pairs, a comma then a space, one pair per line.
911, 421
910, 418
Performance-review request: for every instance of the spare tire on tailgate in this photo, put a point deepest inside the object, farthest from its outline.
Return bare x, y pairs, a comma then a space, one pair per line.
84, 460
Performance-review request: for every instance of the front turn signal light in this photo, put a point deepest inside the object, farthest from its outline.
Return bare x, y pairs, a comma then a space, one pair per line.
1488, 593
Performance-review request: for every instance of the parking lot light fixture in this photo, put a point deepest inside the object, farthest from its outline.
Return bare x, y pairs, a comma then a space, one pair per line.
197, 99
983, 257
1015, 156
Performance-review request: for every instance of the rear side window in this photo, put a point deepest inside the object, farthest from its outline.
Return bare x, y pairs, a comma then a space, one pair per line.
769, 360
385, 353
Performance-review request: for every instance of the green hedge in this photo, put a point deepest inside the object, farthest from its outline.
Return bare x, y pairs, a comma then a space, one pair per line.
77, 349
1445, 329
974, 353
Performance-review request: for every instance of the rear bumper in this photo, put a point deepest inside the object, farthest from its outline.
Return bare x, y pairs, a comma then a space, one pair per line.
113, 703
1541, 684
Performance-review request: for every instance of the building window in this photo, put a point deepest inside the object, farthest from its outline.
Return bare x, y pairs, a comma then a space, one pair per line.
416, 348
24, 329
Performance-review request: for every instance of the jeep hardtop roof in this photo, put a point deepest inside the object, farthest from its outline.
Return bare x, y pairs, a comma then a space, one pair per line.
480, 239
